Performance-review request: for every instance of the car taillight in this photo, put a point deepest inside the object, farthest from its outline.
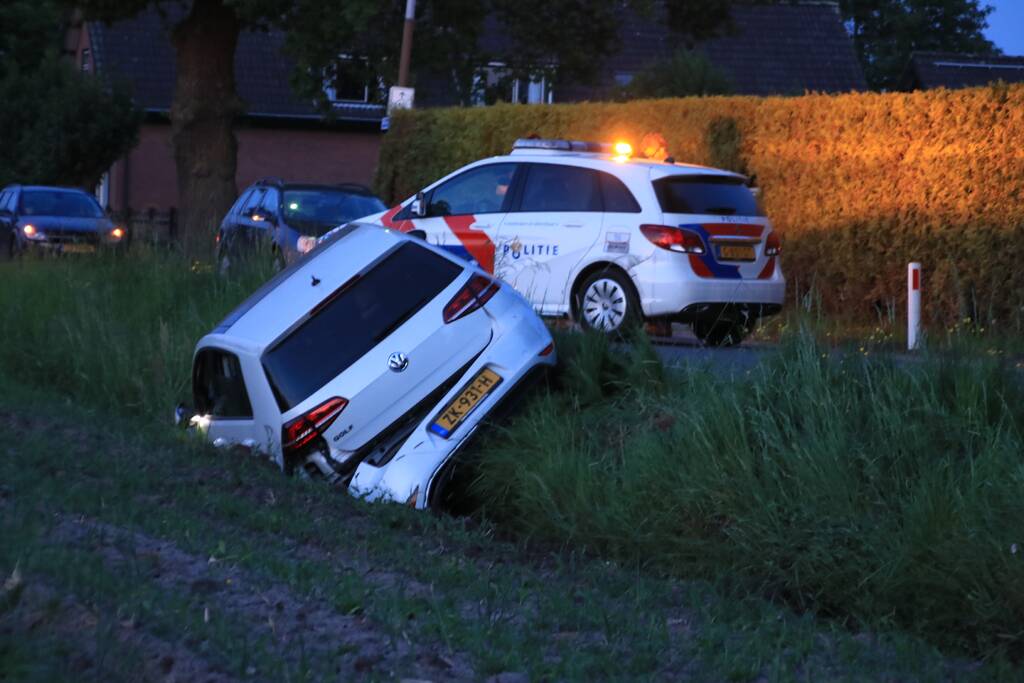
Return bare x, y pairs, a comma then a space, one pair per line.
472, 296
772, 245
300, 431
673, 239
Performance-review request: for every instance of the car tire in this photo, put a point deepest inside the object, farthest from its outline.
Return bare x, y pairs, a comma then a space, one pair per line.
7, 250
721, 331
223, 262
606, 301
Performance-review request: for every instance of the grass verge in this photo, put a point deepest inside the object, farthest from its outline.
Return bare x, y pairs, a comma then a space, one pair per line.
869, 491
876, 494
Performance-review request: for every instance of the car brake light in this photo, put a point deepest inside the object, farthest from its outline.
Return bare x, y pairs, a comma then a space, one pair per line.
772, 245
673, 239
300, 431
472, 296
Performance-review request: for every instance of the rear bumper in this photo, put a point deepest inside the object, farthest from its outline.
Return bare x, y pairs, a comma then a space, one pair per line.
668, 287
514, 353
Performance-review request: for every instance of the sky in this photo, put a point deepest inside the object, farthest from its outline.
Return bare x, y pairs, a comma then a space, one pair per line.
1006, 25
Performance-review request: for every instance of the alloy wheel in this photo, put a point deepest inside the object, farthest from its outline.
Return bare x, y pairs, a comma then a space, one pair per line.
604, 305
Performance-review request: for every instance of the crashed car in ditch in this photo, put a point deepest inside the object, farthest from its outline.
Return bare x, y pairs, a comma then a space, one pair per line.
368, 363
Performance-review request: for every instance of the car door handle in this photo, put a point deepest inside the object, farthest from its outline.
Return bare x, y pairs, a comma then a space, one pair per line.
572, 225
480, 226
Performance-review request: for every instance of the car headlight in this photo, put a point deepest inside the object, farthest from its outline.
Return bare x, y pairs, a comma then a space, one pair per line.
32, 232
117, 234
306, 244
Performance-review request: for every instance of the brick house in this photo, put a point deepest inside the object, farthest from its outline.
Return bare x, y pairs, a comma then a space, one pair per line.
279, 135
769, 49
775, 49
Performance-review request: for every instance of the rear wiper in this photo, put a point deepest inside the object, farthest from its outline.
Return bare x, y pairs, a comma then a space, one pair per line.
720, 210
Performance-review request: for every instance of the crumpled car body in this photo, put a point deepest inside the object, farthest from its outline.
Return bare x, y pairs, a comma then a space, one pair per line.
369, 363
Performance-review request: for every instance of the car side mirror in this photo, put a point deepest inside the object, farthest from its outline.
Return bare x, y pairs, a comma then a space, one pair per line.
263, 216
418, 207
418, 234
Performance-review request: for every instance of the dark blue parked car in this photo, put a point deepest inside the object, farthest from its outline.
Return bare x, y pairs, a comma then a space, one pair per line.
284, 220
54, 220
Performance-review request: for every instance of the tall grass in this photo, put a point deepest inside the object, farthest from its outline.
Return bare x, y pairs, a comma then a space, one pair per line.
876, 493
115, 331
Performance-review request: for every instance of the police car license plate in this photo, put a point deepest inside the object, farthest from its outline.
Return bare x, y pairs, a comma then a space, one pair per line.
469, 398
78, 248
736, 252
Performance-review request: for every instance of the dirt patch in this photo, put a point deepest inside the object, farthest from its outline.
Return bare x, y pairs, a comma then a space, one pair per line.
299, 629
40, 609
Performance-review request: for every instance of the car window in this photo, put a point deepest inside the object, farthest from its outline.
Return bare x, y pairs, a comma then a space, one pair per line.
551, 187
252, 201
483, 189
4, 196
354, 319
218, 387
240, 202
711, 195
59, 203
617, 197
314, 211
271, 200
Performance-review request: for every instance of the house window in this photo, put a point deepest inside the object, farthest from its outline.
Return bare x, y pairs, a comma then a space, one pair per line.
347, 92
494, 84
86, 60
344, 82
623, 78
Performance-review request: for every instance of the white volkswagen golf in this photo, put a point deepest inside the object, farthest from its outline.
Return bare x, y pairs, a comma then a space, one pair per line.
368, 362
585, 230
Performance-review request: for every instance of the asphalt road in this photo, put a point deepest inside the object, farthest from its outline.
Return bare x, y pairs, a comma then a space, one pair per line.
683, 349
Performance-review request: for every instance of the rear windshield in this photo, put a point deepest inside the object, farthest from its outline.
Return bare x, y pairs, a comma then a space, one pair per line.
354, 319
713, 195
314, 211
59, 203
218, 387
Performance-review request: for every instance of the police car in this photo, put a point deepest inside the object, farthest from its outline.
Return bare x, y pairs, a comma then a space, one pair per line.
586, 230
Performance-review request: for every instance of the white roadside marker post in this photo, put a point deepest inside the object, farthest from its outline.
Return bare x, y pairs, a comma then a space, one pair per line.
913, 305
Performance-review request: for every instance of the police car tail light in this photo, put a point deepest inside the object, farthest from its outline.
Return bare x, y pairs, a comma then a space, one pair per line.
673, 239
772, 245
472, 296
300, 431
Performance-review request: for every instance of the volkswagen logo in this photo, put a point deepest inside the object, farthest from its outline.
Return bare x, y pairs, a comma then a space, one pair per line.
398, 361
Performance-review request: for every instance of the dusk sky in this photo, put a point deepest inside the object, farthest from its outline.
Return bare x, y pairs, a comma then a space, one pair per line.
1006, 26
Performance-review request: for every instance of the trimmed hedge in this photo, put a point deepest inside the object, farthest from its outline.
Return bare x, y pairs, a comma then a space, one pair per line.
858, 184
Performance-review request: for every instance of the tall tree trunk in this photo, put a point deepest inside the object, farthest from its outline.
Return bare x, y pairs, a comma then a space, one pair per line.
202, 121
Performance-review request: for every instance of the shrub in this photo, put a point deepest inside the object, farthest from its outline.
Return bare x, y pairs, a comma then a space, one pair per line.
858, 184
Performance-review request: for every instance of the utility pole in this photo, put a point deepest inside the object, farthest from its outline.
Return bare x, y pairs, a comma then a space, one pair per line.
403, 63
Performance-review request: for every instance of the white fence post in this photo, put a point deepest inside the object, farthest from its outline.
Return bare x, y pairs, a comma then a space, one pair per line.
913, 305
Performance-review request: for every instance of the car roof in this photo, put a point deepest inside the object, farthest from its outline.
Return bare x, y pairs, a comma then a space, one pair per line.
614, 164
354, 188
286, 298
49, 188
